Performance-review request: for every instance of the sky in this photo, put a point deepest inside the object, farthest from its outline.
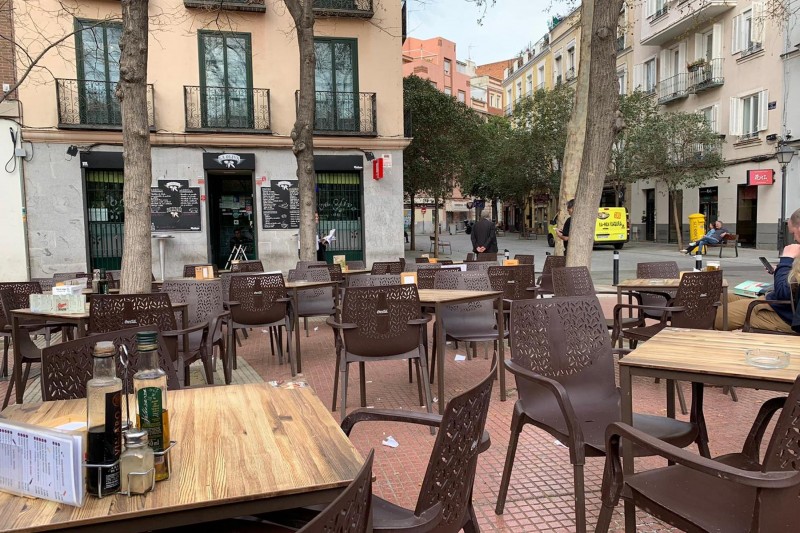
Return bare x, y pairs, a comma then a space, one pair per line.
507, 27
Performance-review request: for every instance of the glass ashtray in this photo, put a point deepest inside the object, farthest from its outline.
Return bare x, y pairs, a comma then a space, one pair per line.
765, 358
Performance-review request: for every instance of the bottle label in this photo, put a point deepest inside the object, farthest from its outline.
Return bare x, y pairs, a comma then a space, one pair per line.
151, 416
105, 446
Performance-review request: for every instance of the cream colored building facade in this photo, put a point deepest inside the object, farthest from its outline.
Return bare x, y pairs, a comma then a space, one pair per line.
222, 95
721, 58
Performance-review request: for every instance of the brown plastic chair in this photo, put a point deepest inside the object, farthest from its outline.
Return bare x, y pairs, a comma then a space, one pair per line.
247, 266
561, 358
577, 281
426, 277
305, 265
657, 270
356, 265
486, 256
112, 276
498, 277
521, 278
732, 493
64, 276
470, 322
67, 366
380, 324
260, 300
386, 267
189, 272
421, 260
755, 304
115, 312
373, 280
470, 257
450, 475
524, 259
480, 266
544, 285
313, 302
205, 305
46, 284
334, 271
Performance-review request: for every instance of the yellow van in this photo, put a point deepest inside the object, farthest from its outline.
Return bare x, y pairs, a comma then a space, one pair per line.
611, 227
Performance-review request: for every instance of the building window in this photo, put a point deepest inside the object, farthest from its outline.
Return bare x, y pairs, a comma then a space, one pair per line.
519, 89
748, 30
749, 115
656, 8
622, 80
448, 91
650, 76
98, 71
571, 59
447, 67
710, 114
225, 79
540, 78
462, 96
529, 83
557, 70
336, 84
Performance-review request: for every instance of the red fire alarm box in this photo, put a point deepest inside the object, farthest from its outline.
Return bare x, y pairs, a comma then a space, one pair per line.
377, 168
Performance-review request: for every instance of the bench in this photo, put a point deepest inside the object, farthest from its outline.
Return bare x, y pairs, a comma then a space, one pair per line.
729, 239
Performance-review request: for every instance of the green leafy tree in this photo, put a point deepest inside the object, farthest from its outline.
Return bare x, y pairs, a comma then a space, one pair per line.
445, 137
678, 149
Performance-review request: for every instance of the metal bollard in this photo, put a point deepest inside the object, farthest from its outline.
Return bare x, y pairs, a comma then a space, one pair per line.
698, 262
616, 267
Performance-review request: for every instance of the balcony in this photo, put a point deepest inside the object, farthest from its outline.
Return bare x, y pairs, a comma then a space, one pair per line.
706, 76
674, 88
343, 8
256, 6
88, 104
226, 109
681, 20
345, 113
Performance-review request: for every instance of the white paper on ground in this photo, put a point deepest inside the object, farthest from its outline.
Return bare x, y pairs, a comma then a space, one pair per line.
460, 357
390, 442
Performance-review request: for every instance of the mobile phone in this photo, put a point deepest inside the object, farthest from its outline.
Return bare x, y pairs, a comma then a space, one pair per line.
767, 265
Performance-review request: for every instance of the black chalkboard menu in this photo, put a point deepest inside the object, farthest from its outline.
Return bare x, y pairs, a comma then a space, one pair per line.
174, 206
280, 205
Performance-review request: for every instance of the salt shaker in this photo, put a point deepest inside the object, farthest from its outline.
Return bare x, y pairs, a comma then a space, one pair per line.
137, 463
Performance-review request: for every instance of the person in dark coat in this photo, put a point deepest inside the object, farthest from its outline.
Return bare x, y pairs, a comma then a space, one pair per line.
484, 236
563, 233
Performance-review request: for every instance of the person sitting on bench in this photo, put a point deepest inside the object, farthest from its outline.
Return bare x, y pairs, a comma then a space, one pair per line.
712, 237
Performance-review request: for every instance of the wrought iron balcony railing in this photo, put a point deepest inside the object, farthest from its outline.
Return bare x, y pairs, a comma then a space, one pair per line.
235, 109
343, 8
345, 113
706, 75
673, 88
256, 6
90, 104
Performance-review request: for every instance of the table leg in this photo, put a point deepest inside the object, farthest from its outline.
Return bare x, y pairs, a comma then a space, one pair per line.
441, 346
501, 345
16, 373
627, 448
81, 328
230, 353
671, 398
296, 323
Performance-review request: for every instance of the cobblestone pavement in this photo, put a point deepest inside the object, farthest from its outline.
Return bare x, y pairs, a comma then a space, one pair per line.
540, 497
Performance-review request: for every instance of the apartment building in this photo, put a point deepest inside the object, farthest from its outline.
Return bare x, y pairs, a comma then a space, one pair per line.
487, 86
625, 39
435, 60
721, 58
565, 35
223, 79
532, 71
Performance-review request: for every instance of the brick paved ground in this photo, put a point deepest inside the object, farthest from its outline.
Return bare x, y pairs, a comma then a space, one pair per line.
540, 496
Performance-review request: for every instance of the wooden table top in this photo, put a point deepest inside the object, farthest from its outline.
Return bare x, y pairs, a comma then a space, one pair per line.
433, 296
655, 283
236, 443
308, 284
77, 316
714, 352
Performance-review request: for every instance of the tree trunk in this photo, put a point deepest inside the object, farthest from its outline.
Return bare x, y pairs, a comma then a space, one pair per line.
303, 132
132, 93
576, 128
435, 226
412, 239
676, 220
601, 125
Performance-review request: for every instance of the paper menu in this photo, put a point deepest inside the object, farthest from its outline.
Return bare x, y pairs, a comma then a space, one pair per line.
42, 463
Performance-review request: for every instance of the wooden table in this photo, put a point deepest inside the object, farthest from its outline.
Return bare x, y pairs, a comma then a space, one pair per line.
702, 356
81, 322
668, 284
242, 449
295, 287
439, 298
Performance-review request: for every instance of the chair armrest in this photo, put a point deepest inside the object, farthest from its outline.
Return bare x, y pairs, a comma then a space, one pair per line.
752, 443
630, 294
424, 319
576, 447
655, 308
230, 304
746, 327
331, 321
216, 321
427, 521
749, 478
389, 415
621, 351
180, 332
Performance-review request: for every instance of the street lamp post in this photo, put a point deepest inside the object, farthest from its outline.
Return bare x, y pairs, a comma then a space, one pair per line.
784, 155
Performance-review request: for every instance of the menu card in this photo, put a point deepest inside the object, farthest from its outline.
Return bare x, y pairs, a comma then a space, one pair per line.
42, 463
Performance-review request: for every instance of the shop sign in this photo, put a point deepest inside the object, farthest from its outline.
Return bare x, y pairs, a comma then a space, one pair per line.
229, 161
764, 176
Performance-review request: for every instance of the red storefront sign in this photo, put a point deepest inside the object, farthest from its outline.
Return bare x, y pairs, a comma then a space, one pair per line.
764, 176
